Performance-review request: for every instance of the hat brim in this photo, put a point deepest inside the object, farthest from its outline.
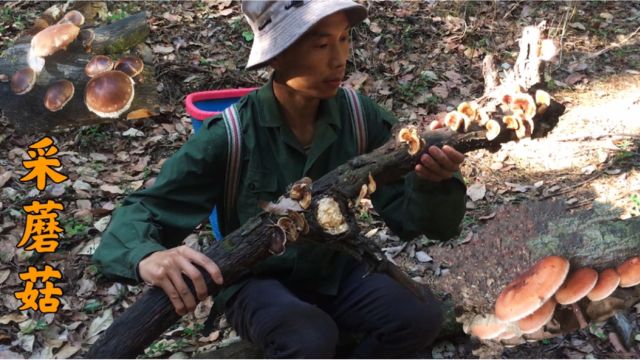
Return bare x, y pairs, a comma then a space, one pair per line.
271, 42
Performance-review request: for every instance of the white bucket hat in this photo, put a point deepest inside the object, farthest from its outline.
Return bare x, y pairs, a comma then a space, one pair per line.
278, 24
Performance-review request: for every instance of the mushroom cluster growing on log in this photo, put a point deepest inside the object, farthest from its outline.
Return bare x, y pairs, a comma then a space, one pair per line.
530, 301
110, 91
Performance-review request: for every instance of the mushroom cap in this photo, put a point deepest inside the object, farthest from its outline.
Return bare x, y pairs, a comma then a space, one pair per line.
469, 109
58, 95
98, 64
629, 272
74, 16
493, 129
23, 80
525, 103
53, 38
608, 281
577, 286
129, 65
454, 120
538, 319
511, 122
529, 291
109, 94
487, 327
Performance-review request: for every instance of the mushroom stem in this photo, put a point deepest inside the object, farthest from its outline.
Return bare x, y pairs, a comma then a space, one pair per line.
579, 315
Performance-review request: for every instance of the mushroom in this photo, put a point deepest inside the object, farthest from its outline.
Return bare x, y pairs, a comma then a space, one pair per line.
23, 80
457, 121
289, 227
299, 188
109, 94
487, 327
4, 78
131, 66
493, 129
538, 318
629, 272
543, 100
49, 41
86, 38
58, 95
608, 281
300, 221
409, 136
525, 126
98, 64
372, 184
330, 217
74, 17
524, 102
470, 109
577, 286
529, 291
511, 122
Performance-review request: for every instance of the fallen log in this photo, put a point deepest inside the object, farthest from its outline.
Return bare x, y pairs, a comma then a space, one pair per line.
27, 112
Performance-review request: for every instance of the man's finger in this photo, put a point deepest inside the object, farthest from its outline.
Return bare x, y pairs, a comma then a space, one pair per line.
196, 278
443, 160
453, 154
423, 173
183, 290
434, 168
167, 286
208, 264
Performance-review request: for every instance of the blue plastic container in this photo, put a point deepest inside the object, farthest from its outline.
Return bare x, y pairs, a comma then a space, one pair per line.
204, 104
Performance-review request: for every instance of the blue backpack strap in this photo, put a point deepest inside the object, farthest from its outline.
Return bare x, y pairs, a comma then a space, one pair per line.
357, 119
234, 152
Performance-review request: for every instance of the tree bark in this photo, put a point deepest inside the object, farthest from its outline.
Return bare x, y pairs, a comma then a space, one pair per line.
27, 112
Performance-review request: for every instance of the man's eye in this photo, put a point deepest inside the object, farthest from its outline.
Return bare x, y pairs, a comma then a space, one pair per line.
344, 39
322, 46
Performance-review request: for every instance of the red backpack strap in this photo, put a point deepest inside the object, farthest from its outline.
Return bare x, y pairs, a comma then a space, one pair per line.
234, 152
357, 119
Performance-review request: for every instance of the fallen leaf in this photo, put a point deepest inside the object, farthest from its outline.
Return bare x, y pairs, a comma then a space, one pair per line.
67, 351
6, 176
517, 187
139, 114
574, 78
613, 171
4, 274
423, 256
13, 317
113, 189
162, 49
26, 342
476, 191
440, 91
375, 28
131, 132
100, 324
171, 17
577, 25
487, 217
101, 225
211, 338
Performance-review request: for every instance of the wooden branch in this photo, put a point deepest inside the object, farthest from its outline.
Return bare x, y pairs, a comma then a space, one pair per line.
27, 112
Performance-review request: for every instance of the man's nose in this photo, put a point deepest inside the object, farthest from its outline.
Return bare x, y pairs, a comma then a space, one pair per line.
339, 55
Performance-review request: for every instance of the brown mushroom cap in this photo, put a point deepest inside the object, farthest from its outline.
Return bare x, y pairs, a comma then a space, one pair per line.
98, 64
23, 80
577, 286
75, 17
629, 272
608, 281
55, 37
539, 318
487, 327
58, 95
109, 94
129, 65
493, 129
525, 103
511, 122
529, 291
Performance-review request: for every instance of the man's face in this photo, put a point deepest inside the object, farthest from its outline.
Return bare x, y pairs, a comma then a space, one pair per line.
315, 64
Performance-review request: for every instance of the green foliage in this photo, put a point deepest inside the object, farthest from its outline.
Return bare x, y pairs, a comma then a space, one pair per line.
365, 217
118, 14
247, 35
635, 204
34, 326
73, 227
92, 306
193, 332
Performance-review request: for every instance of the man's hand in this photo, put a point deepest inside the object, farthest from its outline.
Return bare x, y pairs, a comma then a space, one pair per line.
439, 164
164, 269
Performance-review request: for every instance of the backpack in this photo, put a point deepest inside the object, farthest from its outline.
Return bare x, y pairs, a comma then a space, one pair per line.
231, 120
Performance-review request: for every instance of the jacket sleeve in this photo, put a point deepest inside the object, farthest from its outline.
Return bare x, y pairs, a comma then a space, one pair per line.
413, 206
189, 184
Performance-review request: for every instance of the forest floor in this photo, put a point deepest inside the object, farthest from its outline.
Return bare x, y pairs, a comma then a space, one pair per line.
415, 58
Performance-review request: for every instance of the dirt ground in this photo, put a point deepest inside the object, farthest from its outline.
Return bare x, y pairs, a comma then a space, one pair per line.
415, 58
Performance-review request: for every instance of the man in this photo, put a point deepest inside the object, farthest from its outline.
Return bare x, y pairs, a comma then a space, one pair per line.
296, 304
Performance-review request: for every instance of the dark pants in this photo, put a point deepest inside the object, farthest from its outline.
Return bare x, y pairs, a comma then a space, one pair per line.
288, 322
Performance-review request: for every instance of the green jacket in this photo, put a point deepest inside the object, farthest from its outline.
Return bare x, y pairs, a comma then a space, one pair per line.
191, 182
